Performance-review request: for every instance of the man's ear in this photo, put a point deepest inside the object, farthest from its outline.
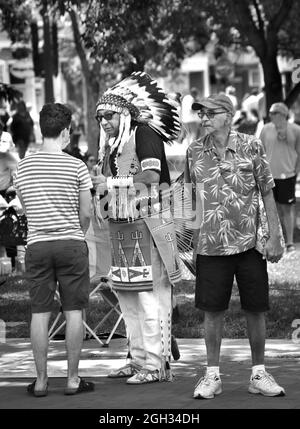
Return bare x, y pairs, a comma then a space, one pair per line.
228, 119
65, 134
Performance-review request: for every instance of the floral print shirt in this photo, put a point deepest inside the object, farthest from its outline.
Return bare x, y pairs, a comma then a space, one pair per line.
228, 192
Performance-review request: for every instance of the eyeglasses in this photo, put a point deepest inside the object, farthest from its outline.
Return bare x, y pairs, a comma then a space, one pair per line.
107, 116
276, 113
209, 113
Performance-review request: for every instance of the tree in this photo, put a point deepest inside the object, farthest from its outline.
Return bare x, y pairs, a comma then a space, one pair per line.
127, 35
18, 18
270, 27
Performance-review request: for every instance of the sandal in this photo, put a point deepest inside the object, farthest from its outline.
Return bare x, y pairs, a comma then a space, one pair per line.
37, 393
84, 386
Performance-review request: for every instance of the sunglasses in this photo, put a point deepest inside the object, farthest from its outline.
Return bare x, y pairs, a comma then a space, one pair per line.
107, 116
209, 113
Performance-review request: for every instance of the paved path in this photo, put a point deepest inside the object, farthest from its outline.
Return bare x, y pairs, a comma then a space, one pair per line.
17, 370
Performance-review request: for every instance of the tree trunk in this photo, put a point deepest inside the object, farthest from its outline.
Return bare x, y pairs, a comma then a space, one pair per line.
90, 86
92, 127
48, 56
292, 95
272, 77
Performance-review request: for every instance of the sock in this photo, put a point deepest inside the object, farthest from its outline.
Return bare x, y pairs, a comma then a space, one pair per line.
257, 368
213, 370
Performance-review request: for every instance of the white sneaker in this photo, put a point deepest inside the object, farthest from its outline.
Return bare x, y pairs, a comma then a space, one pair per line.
264, 383
208, 386
145, 376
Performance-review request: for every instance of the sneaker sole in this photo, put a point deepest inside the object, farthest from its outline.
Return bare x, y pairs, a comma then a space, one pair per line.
119, 376
218, 392
258, 392
141, 382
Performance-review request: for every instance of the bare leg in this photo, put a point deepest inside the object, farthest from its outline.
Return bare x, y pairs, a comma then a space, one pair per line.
257, 335
39, 341
213, 325
289, 221
74, 341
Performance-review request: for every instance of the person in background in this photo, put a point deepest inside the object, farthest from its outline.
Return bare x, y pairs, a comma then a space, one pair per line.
248, 125
190, 121
230, 172
54, 189
8, 165
91, 163
262, 105
4, 115
73, 147
281, 140
250, 102
230, 91
22, 129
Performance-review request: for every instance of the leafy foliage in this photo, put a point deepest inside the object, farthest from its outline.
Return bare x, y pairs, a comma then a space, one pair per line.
15, 16
9, 93
134, 32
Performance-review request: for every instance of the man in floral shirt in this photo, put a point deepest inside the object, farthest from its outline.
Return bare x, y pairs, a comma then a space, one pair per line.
230, 173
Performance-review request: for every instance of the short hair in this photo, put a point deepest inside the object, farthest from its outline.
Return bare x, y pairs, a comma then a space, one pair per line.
54, 117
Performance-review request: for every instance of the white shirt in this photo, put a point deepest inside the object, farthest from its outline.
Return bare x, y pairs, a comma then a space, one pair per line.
6, 143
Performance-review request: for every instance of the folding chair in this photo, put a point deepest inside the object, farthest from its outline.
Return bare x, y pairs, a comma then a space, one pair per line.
110, 297
52, 331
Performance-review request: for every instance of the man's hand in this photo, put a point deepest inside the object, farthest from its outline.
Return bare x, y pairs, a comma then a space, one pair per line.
99, 179
273, 250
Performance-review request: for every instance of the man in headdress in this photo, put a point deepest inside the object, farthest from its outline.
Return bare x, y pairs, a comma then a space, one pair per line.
136, 118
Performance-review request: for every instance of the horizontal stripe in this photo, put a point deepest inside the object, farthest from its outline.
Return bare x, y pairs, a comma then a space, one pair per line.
49, 185
44, 238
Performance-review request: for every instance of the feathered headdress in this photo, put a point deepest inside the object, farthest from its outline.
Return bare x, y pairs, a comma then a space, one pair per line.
139, 98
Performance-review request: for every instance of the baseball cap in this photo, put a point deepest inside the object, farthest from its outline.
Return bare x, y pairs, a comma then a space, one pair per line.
279, 108
215, 101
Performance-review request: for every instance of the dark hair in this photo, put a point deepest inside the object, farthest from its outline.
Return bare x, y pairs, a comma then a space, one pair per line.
54, 117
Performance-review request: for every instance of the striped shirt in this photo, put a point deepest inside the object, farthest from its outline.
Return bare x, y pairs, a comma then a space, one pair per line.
49, 184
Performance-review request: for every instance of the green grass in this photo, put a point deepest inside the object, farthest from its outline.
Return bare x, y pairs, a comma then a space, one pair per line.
284, 301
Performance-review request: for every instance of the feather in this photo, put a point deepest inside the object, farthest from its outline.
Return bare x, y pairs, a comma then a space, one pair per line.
184, 234
147, 103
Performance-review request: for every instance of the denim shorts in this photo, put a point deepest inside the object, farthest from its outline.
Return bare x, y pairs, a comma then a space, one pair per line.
62, 263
